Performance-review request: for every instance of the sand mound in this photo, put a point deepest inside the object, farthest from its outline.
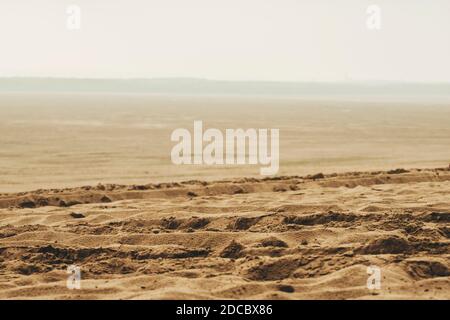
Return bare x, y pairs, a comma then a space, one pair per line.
239, 239
387, 245
233, 250
428, 268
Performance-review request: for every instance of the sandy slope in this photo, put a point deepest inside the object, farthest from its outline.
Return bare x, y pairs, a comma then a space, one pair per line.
283, 238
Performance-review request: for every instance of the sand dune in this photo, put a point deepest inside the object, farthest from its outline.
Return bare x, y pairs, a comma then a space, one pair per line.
292, 237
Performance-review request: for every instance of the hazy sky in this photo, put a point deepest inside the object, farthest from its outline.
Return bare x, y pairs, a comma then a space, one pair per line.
299, 40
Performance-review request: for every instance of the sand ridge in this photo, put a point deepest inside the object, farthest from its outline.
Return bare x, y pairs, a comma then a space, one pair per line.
290, 237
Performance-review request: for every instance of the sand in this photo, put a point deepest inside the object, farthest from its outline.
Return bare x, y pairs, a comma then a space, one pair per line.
66, 140
291, 237
108, 199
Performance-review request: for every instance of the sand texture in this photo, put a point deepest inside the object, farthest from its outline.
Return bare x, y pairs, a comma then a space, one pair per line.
292, 237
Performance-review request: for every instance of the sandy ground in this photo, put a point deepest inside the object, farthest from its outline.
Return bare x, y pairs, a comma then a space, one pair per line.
63, 140
292, 237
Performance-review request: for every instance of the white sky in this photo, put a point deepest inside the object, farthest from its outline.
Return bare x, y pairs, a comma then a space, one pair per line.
295, 40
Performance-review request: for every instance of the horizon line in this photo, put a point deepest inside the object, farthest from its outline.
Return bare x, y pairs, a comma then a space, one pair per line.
368, 81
